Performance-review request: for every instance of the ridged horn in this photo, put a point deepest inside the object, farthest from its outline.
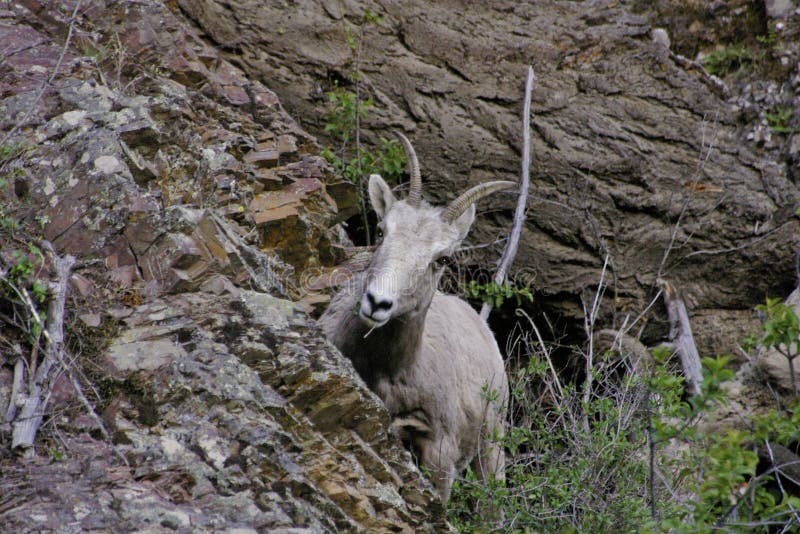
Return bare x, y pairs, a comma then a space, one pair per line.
415, 189
470, 196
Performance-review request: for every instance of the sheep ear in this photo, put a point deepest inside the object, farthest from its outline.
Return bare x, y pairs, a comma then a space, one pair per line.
464, 221
380, 195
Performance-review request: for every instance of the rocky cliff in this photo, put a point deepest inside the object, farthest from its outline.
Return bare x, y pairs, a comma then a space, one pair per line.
166, 146
135, 147
640, 156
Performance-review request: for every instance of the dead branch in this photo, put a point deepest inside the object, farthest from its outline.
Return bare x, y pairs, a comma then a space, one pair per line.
685, 206
783, 460
34, 403
27, 423
512, 244
680, 333
19, 374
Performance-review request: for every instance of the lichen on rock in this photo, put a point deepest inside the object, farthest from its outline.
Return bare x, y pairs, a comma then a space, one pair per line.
147, 158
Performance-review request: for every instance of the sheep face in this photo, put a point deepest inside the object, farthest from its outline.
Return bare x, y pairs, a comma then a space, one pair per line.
414, 242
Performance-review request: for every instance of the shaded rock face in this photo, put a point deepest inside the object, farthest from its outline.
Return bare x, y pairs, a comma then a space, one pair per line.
193, 203
635, 158
251, 420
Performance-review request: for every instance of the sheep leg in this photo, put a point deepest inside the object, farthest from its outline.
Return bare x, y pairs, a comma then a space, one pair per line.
438, 457
490, 460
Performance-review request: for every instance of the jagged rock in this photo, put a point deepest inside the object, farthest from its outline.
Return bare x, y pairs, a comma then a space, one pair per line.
291, 221
228, 409
249, 402
633, 154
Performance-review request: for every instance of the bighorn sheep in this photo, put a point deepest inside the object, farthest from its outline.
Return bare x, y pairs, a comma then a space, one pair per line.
429, 356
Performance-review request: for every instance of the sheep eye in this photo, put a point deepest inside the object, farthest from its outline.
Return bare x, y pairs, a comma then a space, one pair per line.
444, 261
378, 234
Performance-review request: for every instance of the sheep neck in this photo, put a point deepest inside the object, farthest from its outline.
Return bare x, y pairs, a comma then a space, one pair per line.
383, 352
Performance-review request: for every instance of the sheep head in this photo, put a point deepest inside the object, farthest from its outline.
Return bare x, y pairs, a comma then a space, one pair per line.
415, 240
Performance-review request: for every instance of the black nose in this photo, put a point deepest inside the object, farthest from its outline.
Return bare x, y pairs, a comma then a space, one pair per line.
379, 303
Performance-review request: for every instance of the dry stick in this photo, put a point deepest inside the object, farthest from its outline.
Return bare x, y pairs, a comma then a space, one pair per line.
34, 406
651, 450
680, 333
686, 203
19, 374
27, 424
589, 319
519, 214
361, 181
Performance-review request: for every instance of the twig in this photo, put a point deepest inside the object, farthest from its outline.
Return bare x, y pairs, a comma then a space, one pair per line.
19, 374
546, 353
651, 449
681, 335
685, 205
519, 214
361, 181
589, 320
732, 249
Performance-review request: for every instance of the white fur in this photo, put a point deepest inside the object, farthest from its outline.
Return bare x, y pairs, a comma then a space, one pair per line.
427, 355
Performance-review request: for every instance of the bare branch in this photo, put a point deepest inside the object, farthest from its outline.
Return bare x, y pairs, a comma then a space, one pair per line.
27, 423
19, 374
512, 244
34, 404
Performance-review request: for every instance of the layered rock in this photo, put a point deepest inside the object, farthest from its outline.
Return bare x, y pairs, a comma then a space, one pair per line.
638, 153
193, 203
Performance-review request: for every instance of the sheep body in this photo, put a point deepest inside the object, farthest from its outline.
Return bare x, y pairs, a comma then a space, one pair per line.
436, 397
429, 356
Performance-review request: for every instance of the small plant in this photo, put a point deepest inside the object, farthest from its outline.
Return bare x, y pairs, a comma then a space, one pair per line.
778, 120
345, 112
388, 159
8, 223
781, 332
21, 280
497, 294
563, 476
7, 154
770, 40
733, 58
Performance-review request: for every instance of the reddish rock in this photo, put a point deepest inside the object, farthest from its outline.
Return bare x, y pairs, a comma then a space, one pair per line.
292, 221
267, 157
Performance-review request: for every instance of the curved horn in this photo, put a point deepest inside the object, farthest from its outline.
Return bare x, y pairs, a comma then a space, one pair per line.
415, 191
460, 204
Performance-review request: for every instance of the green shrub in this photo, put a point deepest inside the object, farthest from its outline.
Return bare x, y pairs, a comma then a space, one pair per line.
635, 458
734, 58
497, 294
